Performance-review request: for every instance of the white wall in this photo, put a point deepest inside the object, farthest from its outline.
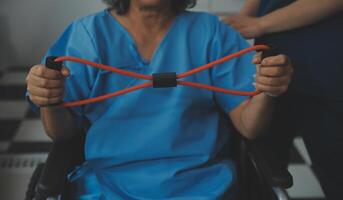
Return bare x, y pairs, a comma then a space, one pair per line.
221, 6
28, 27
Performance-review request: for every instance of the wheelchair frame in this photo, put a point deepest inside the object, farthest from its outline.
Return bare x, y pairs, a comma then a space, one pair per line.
260, 175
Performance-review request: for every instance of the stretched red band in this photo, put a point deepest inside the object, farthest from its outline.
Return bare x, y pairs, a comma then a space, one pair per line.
150, 78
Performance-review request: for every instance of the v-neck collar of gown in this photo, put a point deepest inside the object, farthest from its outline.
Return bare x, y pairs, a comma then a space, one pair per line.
134, 49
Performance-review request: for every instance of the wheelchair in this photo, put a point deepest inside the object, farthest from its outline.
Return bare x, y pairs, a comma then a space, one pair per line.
260, 175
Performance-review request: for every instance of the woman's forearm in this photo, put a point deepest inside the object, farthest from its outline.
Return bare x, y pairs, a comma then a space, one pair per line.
250, 8
298, 14
59, 123
255, 116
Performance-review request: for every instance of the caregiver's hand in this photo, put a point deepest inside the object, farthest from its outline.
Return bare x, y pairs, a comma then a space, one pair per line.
248, 27
273, 74
46, 86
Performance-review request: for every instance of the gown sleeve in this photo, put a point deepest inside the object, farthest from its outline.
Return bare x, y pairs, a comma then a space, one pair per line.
236, 74
75, 41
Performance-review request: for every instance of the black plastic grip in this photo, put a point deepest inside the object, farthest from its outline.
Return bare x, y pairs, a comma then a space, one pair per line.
164, 80
273, 51
51, 64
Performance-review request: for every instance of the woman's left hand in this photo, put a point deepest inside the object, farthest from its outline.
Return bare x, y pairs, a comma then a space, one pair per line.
273, 75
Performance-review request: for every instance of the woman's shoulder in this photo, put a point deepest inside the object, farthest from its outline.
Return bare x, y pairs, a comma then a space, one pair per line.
95, 25
206, 22
91, 20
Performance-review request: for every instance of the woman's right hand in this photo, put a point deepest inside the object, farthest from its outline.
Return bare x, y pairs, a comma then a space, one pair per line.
46, 86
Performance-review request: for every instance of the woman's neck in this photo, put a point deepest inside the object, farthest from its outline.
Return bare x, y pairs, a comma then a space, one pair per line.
147, 26
153, 19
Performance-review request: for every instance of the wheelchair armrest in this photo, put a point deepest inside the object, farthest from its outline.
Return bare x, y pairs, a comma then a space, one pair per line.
63, 156
53, 175
267, 165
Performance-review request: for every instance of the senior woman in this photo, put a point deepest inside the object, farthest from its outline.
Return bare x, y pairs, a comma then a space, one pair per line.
155, 144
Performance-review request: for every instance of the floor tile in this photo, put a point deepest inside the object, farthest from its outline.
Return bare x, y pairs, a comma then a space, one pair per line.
306, 184
13, 109
8, 129
295, 157
4, 146
12, 92
300, 146
31, 131
29, 147
15, 174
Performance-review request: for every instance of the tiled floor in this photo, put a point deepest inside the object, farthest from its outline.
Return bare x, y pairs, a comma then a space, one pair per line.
23, 143
22, 140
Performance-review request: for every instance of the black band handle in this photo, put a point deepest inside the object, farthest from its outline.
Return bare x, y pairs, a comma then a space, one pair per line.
51, 64
273, 51
164, 80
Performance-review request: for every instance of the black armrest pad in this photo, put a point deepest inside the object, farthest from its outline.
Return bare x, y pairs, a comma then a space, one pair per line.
63, 156
267, 164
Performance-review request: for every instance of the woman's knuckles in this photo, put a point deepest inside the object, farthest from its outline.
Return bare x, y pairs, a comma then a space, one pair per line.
51, 93
281, 60
45, 92
43, 71
273, 71
273, 81
44, 101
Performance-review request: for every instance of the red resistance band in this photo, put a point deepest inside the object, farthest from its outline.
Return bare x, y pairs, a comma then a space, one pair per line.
161, 80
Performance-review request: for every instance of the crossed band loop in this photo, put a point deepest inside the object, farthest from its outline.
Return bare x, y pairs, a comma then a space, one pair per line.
162, 79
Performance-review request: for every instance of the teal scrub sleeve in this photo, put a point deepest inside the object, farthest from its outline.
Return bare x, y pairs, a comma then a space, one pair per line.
236, 74
76, 41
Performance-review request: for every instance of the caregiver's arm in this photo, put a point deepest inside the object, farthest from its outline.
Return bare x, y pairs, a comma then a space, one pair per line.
298, 14
252, 117
46, 87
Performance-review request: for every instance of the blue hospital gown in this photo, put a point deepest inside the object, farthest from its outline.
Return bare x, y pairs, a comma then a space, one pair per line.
154, 143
